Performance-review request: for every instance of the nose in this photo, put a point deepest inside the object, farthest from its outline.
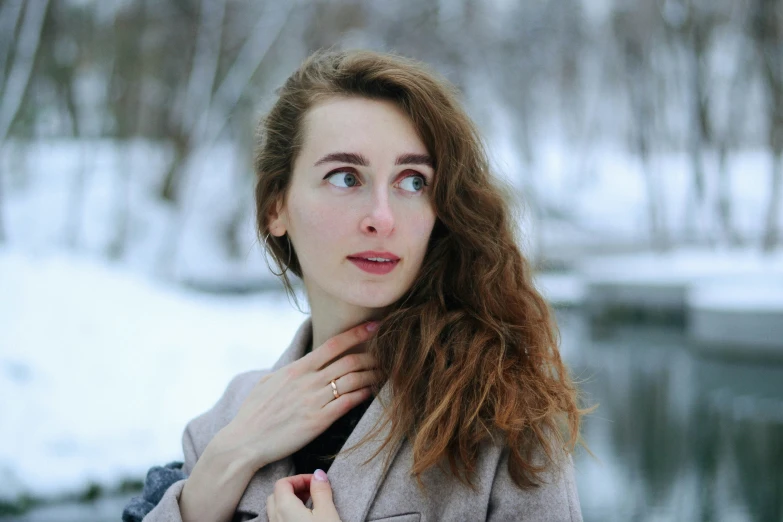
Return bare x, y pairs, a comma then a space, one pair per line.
379, 218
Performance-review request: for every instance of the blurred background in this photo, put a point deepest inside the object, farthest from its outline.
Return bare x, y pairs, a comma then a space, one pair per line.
643, 140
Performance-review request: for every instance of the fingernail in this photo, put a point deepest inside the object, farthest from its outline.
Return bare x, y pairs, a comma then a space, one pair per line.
320, 476
371, 327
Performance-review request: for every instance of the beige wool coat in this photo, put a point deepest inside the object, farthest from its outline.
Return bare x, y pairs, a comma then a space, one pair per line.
371, 493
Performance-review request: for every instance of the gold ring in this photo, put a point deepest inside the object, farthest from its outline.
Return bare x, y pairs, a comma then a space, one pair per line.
334, 389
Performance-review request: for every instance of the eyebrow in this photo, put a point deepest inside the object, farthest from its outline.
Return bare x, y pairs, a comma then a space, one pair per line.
358, 159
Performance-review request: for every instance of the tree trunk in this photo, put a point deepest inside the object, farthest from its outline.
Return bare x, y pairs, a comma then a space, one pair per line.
767, 35
76, 205
771, 230
210, 122
727, 140
723, 204
119, 242
18, 80
3, 237
698, 224
9, 17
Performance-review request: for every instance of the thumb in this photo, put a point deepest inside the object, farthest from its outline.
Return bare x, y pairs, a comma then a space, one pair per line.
321, 493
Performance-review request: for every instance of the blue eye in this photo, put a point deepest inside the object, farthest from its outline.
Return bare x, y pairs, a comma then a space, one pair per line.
344, 179
413, 183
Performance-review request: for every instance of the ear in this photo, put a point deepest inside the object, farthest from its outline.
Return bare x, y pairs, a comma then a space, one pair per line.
278, 219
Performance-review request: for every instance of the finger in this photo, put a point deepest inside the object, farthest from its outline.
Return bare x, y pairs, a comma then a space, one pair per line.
304, 496
344, 365
321, 491
350, 383
345, 403
285, 493
301, 485
295, 483
337, 345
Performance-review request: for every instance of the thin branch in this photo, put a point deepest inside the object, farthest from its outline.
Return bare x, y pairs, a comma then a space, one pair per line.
21, 70
248, 60
9, 17
203, 72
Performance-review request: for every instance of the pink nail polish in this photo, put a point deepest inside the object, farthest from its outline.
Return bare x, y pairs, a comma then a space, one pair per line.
371, 327
320, 476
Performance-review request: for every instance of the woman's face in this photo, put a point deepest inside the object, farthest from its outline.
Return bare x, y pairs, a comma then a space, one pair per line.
359, 190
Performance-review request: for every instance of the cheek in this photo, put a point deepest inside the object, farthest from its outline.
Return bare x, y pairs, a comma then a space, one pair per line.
420, 227
318, 223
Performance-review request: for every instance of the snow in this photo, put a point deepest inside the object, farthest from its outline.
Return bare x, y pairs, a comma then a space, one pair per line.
120, 182
561, 289
728, 280
763, 294
681, 267
100, 368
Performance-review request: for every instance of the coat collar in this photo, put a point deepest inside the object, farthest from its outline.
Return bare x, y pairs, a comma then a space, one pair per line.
354, 483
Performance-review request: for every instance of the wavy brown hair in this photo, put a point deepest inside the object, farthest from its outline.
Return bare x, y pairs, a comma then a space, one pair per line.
471, 350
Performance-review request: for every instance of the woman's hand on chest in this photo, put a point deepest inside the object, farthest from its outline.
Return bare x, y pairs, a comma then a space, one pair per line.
287, 503
290, 407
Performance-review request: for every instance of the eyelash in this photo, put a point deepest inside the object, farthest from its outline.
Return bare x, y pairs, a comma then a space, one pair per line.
351, 171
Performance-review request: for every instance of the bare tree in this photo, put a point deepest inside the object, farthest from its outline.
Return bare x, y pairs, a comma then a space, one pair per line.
59, 64
727, 137
124, 57
198, 91
18, 79
692, 24
212, 114
14, 88
768, 37
10, 12
634, 30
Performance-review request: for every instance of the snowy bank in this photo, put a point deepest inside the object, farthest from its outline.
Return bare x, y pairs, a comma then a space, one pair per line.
738, 315
561, 289
662, 281
101, 369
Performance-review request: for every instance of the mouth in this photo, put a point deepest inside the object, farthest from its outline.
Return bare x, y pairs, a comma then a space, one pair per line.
375, 262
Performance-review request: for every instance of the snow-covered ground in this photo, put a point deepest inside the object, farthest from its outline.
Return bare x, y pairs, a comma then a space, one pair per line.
101, 368
562, 289
726, 280
682, 266
743, 294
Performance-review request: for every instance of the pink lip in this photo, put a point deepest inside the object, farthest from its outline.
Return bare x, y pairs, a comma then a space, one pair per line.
373, 253
374, 267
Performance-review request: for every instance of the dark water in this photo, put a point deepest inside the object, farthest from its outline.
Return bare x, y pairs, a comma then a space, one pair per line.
102, 510
678, 436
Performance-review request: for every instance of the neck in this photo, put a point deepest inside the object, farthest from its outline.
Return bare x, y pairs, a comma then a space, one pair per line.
330, 317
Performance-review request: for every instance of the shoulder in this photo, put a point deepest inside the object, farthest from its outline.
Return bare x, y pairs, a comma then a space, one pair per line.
554, 499
202, 429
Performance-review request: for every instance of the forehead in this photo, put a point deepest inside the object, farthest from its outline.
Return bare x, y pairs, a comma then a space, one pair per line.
376, 128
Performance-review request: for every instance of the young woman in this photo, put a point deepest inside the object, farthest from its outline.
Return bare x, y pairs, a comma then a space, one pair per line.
429, 363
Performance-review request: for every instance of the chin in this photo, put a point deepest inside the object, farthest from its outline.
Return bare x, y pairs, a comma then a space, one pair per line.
372, 297
375, 302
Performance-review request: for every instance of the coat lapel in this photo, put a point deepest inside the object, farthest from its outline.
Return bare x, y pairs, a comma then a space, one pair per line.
354, 483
